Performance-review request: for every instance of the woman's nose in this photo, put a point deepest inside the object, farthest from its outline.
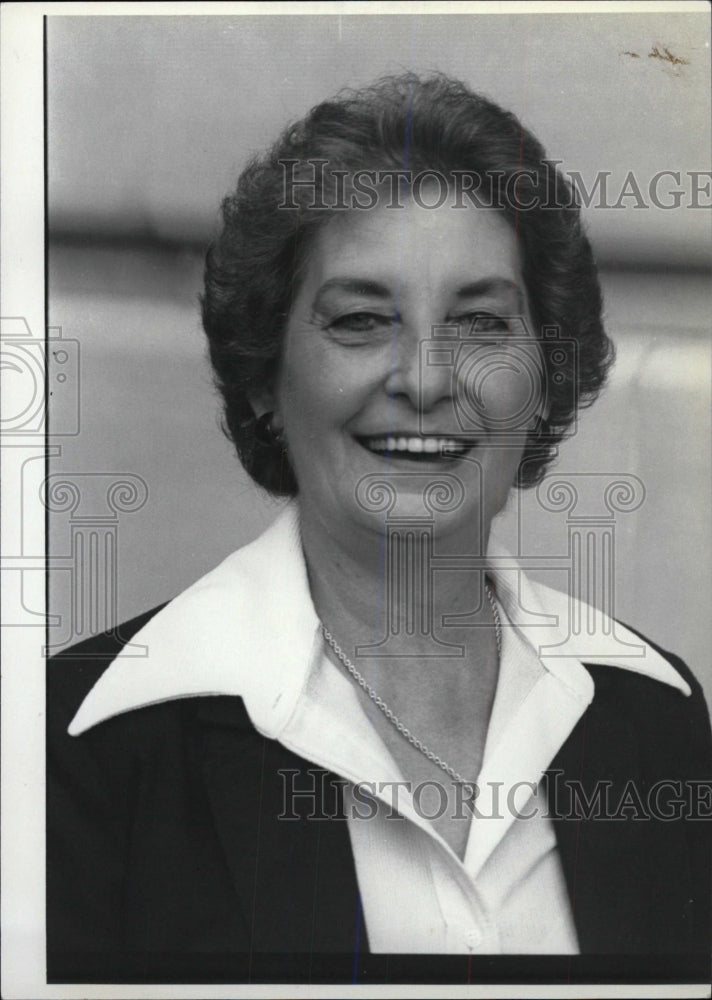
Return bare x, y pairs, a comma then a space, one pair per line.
417, 372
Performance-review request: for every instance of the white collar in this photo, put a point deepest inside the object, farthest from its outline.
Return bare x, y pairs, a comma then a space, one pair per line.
249, 628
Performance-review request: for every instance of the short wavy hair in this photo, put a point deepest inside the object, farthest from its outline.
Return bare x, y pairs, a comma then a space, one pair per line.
254, 267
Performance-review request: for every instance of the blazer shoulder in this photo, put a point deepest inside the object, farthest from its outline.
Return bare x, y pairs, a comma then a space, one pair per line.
653, 708
677, 662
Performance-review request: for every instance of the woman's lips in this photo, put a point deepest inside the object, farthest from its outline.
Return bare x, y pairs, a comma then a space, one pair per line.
421, 447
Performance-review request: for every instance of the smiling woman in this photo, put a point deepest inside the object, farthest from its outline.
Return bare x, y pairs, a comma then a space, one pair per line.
341, 739
353, 397
474, 153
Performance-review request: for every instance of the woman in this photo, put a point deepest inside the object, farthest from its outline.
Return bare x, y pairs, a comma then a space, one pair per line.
343, 738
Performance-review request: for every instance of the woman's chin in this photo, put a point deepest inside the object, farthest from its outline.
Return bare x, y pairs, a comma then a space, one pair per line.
437, 495
444, 487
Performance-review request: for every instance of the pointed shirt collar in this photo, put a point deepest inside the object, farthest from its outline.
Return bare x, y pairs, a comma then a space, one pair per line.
249, 628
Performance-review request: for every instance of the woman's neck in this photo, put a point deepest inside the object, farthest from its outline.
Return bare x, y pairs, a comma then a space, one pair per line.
374, 588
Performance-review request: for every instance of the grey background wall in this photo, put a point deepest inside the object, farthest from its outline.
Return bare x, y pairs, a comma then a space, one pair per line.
149, 121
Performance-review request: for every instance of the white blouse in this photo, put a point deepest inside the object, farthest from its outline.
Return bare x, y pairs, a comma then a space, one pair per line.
417, 895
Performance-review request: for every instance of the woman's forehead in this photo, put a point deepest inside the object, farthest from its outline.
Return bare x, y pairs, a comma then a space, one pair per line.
446, 248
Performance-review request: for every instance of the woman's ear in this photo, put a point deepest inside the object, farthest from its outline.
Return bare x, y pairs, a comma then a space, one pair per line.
543, 413
543, 409
538, 419
264, 402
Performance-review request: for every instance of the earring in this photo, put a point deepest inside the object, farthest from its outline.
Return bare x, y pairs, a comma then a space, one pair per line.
265, 433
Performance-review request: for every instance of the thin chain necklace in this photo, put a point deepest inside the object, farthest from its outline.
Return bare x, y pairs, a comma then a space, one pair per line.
390, 715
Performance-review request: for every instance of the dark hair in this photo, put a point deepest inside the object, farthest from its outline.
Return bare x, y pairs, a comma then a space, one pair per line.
254, 267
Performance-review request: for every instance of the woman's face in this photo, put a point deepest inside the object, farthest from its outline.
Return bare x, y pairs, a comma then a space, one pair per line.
405, 359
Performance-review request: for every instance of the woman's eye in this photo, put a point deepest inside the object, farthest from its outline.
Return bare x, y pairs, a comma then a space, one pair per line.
483, 323
359, 322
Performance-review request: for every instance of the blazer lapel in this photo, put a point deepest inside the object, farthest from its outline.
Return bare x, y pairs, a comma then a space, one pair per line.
306, 862
606, 865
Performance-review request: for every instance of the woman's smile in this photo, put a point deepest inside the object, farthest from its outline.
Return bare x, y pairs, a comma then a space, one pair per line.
422, 449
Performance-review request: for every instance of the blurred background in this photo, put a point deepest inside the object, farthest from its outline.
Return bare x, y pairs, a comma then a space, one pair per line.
149, 121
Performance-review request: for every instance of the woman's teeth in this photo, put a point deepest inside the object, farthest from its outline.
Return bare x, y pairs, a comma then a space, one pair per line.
416, 445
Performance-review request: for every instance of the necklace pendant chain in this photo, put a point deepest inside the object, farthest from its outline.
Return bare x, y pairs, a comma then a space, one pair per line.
389, 714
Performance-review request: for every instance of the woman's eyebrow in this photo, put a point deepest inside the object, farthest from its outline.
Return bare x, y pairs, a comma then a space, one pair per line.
488, 286
368, 287
353, 286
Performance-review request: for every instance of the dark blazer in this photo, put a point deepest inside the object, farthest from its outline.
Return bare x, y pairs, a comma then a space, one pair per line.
164, 843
